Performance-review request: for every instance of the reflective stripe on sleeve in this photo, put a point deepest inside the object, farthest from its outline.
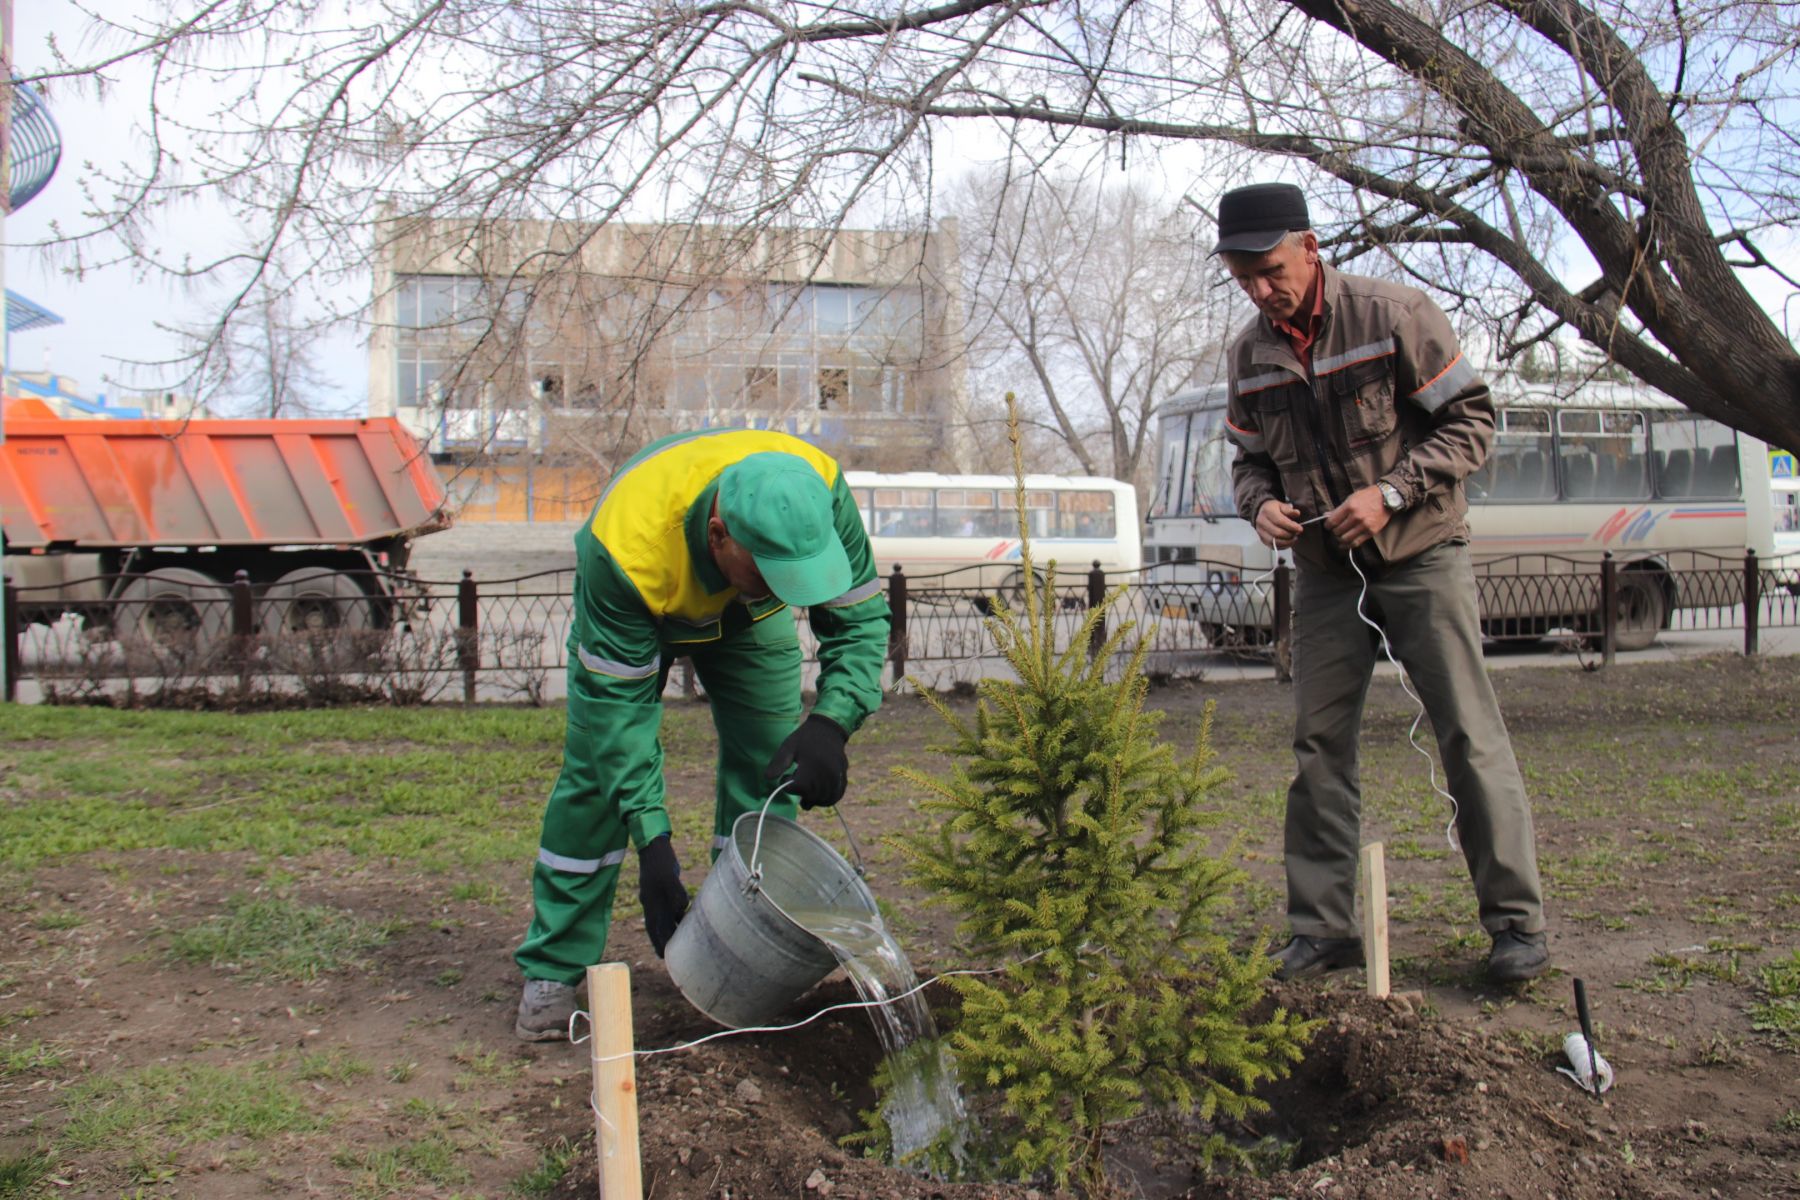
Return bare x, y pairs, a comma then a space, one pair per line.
579, 866
618, 670
1257, 383
1249, 439
1451, 380
856, 595
1349, 358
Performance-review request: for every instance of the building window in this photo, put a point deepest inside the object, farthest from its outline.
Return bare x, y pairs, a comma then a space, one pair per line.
436, 308
417, 376
761, 387
834, 388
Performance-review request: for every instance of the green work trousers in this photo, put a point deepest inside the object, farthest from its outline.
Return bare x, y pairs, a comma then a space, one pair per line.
613, 762
1427, 605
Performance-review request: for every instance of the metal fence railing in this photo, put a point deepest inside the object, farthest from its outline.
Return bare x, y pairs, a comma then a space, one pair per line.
373, 635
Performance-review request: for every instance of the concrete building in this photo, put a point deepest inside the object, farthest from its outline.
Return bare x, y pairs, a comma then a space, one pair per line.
532, 351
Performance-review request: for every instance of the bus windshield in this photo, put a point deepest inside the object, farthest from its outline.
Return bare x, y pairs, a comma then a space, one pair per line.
1206, 483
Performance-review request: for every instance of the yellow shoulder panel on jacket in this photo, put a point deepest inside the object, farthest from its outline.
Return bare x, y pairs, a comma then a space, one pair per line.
641, 517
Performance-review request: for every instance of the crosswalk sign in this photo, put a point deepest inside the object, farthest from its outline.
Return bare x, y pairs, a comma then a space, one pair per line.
1781, 465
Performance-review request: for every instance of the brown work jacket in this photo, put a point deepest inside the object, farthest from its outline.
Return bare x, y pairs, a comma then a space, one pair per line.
1389, 398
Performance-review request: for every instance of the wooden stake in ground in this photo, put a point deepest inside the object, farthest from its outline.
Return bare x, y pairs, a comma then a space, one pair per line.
1375, 931
615, 1082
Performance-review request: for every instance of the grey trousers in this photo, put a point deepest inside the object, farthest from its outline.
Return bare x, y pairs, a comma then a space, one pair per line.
1427, 604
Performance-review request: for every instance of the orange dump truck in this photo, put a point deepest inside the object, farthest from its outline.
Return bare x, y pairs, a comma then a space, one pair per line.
141, 522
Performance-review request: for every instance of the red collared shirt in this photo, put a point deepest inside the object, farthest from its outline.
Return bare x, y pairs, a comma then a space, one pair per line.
1301, 337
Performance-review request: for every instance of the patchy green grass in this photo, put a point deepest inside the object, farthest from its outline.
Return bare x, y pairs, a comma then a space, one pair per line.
332, 1066
61, 920
194, 1102
16, 1059
435, 1157
1778, 1012
436, 790
17, 1015
270, 937
21, 1173
485, 1064
554, 1162
399, 1170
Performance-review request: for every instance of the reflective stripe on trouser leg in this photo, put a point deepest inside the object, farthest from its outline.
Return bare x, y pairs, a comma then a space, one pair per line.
611, 760
752, 678
1333, 660
1437, 634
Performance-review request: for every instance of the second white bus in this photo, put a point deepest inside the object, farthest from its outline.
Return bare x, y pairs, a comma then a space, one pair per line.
962, 531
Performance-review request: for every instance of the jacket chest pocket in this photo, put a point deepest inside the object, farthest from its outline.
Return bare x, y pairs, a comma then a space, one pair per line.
1275, 418
1365, 399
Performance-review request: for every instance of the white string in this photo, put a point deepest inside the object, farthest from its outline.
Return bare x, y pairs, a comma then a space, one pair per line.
725, 1033
1412, 734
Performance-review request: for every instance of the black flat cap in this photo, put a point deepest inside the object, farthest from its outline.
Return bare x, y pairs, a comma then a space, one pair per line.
1253, 219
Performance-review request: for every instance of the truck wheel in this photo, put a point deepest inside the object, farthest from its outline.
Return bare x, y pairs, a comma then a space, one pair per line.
172, 620
313, 618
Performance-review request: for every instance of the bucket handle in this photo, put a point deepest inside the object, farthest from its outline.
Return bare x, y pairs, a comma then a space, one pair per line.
754, 881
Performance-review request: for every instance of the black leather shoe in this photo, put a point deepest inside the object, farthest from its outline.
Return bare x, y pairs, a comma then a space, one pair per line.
1518, 956
1304, 956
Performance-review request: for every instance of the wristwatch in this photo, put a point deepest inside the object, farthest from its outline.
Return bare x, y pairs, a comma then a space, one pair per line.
1390, 497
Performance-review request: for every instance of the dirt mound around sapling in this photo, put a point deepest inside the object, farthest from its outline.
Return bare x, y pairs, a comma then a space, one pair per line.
1390, 1101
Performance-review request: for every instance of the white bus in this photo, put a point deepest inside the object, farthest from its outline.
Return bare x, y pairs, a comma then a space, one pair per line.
966, 525
1617, 470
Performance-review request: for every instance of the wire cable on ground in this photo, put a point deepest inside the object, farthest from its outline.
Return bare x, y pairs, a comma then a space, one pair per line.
579, 1014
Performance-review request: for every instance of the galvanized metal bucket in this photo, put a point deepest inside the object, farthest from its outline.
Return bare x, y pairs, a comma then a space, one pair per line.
738, 956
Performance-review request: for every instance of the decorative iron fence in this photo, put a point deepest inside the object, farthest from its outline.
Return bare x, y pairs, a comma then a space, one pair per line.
397, 638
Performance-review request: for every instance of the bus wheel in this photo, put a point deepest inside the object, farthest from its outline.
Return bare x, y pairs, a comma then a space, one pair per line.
171, 620
1640, 610
1012, 589
315, 619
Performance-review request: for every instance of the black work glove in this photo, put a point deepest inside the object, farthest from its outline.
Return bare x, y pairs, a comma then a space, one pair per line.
659, 888
821, 768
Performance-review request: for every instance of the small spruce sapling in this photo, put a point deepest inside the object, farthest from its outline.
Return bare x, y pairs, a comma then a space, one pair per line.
1070, 840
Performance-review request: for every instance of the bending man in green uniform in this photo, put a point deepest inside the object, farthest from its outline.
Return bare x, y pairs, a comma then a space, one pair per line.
701, 546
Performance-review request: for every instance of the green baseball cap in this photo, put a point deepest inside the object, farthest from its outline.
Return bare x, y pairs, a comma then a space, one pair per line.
778, 508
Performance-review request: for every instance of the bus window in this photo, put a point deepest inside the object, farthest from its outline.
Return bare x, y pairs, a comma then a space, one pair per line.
1170, 486
1040, 514
1206, 487
1518, 467
1084, 515
862, 496
903, 512
1604, 455
967, 512
1695, 458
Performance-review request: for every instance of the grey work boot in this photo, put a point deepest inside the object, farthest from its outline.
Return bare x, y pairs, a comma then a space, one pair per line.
1518, 956
544, 1011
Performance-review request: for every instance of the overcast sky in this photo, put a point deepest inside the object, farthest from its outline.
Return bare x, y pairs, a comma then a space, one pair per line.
110, 317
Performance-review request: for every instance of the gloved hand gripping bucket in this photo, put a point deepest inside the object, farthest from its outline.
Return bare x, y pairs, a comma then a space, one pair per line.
742, 954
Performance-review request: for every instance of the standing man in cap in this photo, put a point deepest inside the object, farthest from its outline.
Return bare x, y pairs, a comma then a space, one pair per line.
702, 545
1351, 401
